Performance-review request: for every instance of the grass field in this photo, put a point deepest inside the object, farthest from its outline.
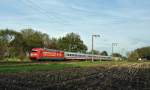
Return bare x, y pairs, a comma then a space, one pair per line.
98, 75
15, 67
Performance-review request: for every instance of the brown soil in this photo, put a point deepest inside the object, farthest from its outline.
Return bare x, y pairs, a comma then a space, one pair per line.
95, 78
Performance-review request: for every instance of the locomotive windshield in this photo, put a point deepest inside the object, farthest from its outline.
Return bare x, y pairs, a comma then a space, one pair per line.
33, 51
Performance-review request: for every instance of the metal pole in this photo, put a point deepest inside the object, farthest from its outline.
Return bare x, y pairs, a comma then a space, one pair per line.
112, 49
113, 44
93, 45
92, 48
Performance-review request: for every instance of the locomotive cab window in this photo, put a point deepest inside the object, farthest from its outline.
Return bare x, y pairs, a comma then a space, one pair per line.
33, 51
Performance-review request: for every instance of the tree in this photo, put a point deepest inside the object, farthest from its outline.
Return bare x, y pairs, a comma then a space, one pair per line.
32, 39
143, 52
10, 43
117, 55
53, 43
72, 42
94, 52
104, 53
2, 48
46, 40
133, 56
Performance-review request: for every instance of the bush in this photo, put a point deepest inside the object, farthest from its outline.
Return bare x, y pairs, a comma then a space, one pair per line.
133, 56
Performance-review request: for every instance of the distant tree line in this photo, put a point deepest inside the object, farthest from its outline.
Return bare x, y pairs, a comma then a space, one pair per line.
104, 53
19, 44
140, 54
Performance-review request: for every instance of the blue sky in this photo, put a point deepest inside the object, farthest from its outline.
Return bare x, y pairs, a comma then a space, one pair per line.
126, 22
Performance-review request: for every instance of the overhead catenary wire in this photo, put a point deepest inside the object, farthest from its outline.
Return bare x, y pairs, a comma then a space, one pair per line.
43, 11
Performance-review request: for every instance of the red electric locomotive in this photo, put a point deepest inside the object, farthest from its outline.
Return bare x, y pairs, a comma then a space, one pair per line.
42, 53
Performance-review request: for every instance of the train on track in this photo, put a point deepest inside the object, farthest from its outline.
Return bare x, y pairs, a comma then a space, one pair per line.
50, 54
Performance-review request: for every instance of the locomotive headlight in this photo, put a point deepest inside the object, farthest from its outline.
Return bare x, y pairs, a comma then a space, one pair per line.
33, 54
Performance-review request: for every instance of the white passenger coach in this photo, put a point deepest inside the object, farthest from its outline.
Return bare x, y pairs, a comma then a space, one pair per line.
81, 56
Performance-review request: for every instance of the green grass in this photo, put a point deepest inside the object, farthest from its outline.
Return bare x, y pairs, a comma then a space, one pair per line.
27, 67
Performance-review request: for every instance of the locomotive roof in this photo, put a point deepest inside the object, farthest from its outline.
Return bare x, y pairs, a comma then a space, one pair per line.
53, 50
